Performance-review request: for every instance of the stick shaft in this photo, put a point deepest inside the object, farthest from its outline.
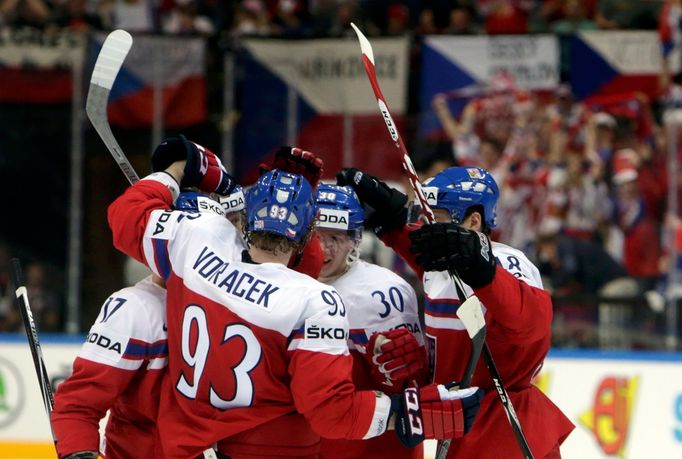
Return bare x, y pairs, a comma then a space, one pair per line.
33, 341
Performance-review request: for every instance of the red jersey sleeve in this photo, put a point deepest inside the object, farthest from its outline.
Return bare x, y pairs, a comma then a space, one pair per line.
82, 400
524, 312
124, 214
324, 393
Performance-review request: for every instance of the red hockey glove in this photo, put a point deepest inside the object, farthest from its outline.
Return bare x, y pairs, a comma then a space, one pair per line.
203, 169
296, 161
447, 246
396, 358
434, 412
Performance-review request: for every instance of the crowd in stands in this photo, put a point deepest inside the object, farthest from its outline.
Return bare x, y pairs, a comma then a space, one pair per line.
586, 184
314, 18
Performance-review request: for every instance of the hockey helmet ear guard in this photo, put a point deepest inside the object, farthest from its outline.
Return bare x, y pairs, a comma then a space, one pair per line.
456, 189
281, 203
340, 209
193, 201
234, 202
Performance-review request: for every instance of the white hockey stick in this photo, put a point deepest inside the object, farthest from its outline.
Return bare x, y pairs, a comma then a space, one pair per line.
33, 341
109, 62
473, 308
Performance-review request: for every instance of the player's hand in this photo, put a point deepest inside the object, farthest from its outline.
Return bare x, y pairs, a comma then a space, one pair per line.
203, 168
297, 161
449, 247
388, 203
396, 358
435, 411
82, 455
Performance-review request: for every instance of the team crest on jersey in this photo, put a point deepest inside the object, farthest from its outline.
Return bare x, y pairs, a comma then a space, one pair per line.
258, 224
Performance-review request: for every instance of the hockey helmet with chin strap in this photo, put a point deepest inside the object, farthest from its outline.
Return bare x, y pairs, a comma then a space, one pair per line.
457, 189
281, 203
193, 201
340, 209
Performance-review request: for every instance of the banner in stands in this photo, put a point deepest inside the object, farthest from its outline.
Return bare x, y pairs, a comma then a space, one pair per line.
36, 67
176, 64
315, 93
461, 67
610, 62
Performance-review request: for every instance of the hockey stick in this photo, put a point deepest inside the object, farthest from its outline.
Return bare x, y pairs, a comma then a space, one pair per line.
109, 61
478, 325
33, 342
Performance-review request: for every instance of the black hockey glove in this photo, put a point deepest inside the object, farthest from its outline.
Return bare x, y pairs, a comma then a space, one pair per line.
388, 203
435, 411
449, 247
203, 169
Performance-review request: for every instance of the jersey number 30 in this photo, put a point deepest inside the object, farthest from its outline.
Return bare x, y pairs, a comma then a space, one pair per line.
243, 392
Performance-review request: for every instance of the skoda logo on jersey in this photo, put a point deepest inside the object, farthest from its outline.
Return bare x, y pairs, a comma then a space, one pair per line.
431, 195
206, 204
233, 203
12, 393
333, 218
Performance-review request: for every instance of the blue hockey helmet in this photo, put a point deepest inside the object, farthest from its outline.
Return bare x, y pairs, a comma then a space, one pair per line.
457, 189
339, 208
281, 203
193, 201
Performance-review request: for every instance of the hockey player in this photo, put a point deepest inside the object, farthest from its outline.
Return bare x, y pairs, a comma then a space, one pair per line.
518, 311
377, 300
251, 341
119, 368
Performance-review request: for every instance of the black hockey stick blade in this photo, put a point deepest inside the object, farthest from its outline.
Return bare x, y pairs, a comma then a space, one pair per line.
109, 63
32, 335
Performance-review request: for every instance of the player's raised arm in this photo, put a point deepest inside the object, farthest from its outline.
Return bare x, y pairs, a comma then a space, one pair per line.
176, 163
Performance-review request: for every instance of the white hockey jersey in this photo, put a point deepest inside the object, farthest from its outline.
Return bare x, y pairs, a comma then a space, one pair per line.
119, 368
248, 343
377, 300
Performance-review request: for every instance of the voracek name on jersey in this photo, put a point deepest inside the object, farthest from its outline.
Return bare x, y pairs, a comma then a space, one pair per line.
215, 270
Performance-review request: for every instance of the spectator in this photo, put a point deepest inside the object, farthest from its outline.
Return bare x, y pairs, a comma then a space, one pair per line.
31, 13
574, 19
627, 14
426, 24
183, 19
73, 16
461, 22
251, 19
344, 15
505, 16
289, 19
641, 245
398, 20
573, 265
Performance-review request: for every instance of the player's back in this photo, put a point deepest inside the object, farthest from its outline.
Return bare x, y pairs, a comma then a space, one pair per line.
238, 324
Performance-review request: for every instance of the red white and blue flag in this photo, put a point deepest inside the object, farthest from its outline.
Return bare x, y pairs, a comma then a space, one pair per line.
177, 64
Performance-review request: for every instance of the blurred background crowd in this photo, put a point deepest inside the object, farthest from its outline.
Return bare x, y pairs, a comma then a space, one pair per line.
331, 18
585, 184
